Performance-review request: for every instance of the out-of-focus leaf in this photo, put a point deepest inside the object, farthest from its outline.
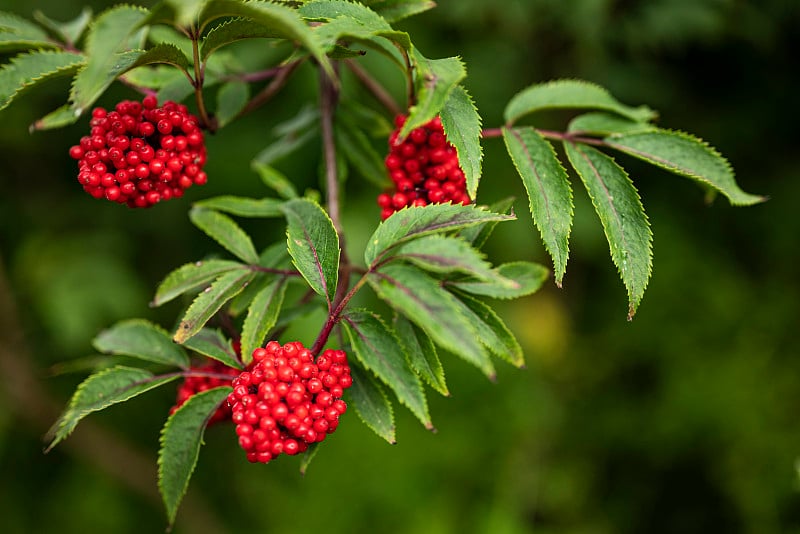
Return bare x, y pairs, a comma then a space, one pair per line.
17, 33
602, 123
232, 97
243, 206
275, 179
70, 31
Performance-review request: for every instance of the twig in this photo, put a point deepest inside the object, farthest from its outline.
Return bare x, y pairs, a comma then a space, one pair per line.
377, 90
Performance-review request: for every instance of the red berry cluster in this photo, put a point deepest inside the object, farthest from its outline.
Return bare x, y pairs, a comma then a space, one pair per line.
139, 154
424, 168
286, 401
204, 381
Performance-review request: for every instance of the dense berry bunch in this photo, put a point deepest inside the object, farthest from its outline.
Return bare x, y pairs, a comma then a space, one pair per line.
139, 154
424, 169
285, 401
209, 375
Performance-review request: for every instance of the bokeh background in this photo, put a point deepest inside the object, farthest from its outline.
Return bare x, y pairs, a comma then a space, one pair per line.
683, 420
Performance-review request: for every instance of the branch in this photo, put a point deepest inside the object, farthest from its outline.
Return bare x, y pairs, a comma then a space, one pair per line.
377, 90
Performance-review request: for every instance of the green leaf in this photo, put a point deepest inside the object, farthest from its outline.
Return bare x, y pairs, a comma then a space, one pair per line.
155, 77
378, 349
17, 33
309, 455
313, 245
549, 192
621, 213
462, 124
192, 276
261, 317
365, 118
163, 53
435, 310
101, 390
210, 301
435, 79
226, 232
291, 135
115, 30
356, 146
27, 70
493, 332
70, 31
231, 31
394, 10
232, 97
444, 254
601, 123
181, 439
243, 206
686, 155
276, 180
213, 344
141, 339
284, 21
479, 233
421, 353
371, 404
186, 12
55, 119
530, 277
576, 94
414, 222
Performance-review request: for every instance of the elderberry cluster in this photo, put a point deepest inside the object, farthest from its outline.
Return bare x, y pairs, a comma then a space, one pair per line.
424, 168
285, 401
139, 154
209, 376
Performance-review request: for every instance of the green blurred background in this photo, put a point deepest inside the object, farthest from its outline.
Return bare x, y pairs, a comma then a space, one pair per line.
683, 420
